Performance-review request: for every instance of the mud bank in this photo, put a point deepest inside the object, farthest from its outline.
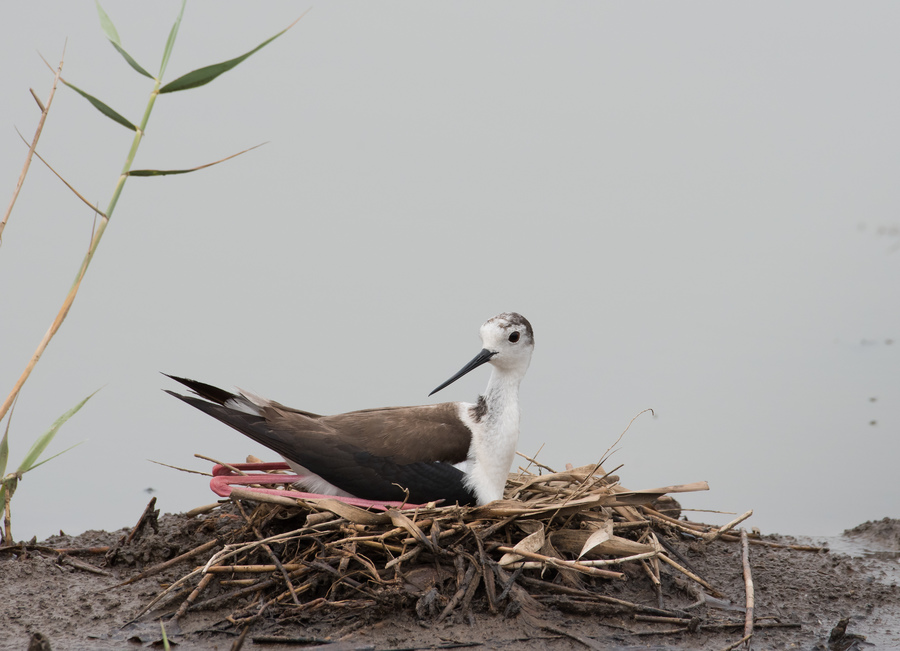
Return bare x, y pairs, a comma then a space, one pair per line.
75, 600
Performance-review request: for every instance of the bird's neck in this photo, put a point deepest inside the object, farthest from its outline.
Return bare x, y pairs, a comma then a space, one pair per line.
495, 434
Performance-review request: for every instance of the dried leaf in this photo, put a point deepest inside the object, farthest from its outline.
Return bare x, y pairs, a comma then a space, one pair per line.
601, 534
531, 543
400, 520
352, 513
571, 542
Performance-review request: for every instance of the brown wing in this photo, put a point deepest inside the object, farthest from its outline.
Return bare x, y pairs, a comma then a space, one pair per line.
427, 433
406, 434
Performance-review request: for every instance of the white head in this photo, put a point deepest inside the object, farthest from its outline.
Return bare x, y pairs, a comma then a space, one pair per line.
510, 339
508, 342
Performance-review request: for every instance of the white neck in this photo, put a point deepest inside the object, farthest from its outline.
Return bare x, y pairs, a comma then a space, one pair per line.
495, 434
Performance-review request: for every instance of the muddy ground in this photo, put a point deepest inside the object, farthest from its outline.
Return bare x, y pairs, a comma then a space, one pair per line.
73, 601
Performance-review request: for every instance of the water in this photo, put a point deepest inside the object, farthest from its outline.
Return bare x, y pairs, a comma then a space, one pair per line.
692, 221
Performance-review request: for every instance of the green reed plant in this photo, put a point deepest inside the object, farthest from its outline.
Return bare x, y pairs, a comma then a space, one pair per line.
193, 79
9, 483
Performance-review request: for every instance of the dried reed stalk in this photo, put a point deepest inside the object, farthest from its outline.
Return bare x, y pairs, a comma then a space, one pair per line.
748, 586
45, 111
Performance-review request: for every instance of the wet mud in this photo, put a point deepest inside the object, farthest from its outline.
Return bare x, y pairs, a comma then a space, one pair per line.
76, 601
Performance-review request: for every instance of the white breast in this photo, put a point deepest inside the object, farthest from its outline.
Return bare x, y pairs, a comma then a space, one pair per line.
491, 452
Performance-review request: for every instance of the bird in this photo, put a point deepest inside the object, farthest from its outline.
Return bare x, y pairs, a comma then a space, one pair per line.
450, 452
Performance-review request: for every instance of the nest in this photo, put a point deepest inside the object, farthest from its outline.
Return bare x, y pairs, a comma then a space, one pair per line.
560, 540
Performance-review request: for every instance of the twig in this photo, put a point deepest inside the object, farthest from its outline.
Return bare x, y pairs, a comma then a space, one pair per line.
381, 545
589, 563
284, 639
149, 516
743, 640
748, 586
205, 581
463, 588
253, 569
412, 553
487, 575
20, 547
94, 208
691, 575
695, 528
239, 642
156, 569
37, 99
200, 510
221, 463
473, 584
271, 554
558, 562
606, 454
63, 559
45, 110
630, 605
586, 641
715, 533
193, 472
684, 527
723, 626
662, 620
766, 543
238, 493
214, 602
72, 551
535, 461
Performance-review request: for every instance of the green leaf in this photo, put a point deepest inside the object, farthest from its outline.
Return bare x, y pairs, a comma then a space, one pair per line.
43, 461
103, 108
4, 450
134, 64
165, 638
170, 43
30, 460
193, 169
4, 445
159, 172
108, 28
202, 76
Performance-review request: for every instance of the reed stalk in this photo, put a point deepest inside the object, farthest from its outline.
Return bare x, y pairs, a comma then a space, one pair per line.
188, 81
193, 79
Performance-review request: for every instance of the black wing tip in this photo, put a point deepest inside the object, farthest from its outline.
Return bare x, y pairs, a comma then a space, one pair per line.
191, 400
181, 380
208, 391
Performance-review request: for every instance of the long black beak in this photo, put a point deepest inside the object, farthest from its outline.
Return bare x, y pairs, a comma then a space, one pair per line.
482, 357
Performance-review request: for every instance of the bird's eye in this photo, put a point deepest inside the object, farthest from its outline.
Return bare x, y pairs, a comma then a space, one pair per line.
514, 336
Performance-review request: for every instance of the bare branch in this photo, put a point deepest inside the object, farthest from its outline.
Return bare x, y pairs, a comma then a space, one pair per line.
37, 134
